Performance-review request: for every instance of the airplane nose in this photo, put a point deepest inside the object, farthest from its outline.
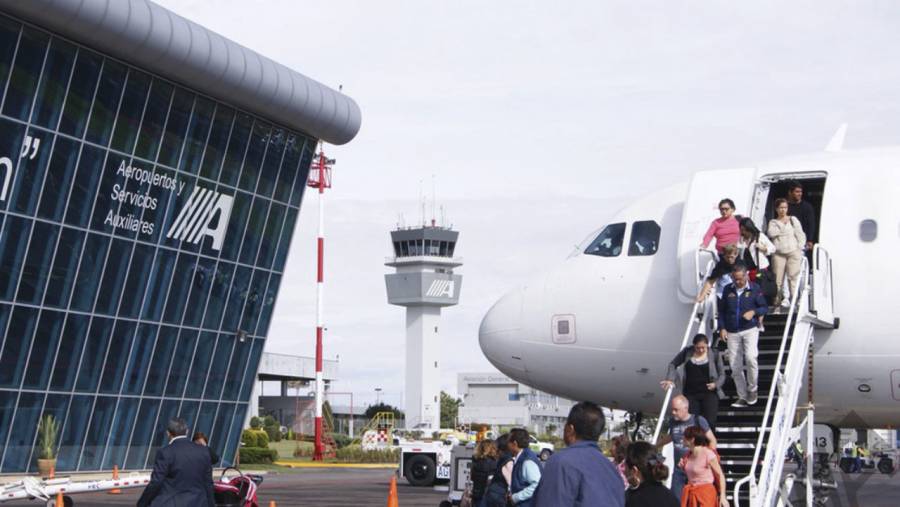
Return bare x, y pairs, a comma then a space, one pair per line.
500, 329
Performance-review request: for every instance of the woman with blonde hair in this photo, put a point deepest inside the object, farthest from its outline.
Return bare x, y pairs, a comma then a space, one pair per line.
484, 464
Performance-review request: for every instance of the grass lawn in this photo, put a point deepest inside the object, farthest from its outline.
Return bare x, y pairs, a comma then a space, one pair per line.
286, 448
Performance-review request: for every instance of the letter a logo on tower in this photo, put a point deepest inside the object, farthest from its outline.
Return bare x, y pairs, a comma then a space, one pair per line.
440, 288
201, 208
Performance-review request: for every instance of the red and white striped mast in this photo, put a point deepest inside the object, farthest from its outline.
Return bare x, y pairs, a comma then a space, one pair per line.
320, 178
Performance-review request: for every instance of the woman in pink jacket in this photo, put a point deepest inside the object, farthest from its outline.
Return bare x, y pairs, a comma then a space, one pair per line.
725, 229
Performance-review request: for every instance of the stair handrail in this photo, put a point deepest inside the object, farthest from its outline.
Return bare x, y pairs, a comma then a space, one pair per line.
777, 376
687, 334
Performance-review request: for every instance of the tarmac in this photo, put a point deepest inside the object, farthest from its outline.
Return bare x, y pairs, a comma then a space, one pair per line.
343, 486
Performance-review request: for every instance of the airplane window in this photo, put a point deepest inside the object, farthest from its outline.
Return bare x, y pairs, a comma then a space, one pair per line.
644, 238
868, 230
608, 242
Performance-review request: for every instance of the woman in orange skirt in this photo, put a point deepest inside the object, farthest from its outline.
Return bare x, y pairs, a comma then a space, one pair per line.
705, 481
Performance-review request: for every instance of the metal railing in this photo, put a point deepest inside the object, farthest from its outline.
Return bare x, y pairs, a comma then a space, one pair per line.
786, 374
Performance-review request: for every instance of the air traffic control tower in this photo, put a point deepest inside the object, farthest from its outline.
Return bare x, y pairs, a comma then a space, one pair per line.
424, 283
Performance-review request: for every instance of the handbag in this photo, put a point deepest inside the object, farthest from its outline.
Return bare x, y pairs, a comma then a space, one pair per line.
765, 278
466, 500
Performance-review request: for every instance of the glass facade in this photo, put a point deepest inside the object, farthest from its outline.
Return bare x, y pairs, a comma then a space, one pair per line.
144, 229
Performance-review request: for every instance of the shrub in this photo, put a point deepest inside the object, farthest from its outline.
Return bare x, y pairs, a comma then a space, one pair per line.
274, 433
355, 454
290, 435
262, 439
341, 440
255, 423
303, 451
269, 421
248, 438
258, 456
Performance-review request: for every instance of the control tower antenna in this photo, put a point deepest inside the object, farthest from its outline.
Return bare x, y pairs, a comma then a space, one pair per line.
424, 283
320, 178
433, 200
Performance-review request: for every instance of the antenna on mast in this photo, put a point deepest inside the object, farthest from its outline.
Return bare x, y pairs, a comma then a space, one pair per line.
433, 200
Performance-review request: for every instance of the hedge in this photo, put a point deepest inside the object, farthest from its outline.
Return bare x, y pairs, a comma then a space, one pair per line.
258, 456
255, 438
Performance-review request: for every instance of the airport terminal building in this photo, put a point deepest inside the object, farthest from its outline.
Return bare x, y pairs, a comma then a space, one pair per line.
151, 174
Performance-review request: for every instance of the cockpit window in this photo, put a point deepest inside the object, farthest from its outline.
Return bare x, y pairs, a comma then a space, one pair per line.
644, 238
608, 242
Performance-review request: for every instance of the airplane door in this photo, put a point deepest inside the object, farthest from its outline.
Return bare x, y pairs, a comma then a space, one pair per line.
701, 208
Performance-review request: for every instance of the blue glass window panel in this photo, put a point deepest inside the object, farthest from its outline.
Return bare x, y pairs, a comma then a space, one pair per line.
206, 418
139, 361
202, 280
160, 276
73, 431
106, 205
21, 441
270, 236
58, 179
188, 412
181, 362
128, 121
219, 434
234, 372
178, 292
177, 203
252, 367
155, 214
84, 188
9, 37
167, 411
234, 435
7, 407
237, 147
144, 429
256, 150
62, 275
43, 349
11, 136
154, 119
13, 241
240, 210
22, 323
120, 433
217, 143
179, 115
138, 275
69, 355
95, 440
196, 135
29, 180
268, 304
56, 405
218, 295
302, 169
114, 276
81, 93
216, 379
268, 175
25, 73
89, 272
237, 296
256, 293
94, 353
106, 102
253, 233
162, 358
36, 269
288, 167
55, 79
117, 356
201, 365
284, 244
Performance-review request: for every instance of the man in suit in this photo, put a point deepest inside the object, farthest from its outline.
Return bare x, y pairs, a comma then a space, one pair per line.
182, 473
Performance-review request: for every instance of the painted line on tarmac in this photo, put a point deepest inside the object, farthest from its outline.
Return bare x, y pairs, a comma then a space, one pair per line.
290, 464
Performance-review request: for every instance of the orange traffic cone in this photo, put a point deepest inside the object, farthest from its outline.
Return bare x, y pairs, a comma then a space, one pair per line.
272, 503
115, 491
392, 500
60, 501
52, 472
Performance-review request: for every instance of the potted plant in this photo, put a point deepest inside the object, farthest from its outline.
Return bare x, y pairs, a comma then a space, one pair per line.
48, 433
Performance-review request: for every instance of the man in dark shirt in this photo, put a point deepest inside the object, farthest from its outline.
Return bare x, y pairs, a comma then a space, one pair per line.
580, 475
804, 212
182, 473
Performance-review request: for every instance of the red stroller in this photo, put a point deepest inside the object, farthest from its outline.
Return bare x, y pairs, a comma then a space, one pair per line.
240, 491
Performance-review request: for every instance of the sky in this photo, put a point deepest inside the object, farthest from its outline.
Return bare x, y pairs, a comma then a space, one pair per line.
535, 123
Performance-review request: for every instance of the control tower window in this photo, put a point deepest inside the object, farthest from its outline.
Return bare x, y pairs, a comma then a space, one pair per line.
451, 246
404, 249
644, 238
443, 249
433, 248
397, 249
608, 242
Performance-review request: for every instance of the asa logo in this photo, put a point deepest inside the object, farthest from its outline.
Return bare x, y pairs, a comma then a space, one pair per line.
440, 288
201, 208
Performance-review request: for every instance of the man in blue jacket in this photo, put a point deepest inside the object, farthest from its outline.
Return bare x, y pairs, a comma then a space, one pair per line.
526, 472
580, 475
739, 309
182, 473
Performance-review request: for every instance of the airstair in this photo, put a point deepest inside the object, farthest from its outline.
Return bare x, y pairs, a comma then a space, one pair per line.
753, 441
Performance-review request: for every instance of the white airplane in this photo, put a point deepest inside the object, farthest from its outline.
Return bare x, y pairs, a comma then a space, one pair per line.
604, 323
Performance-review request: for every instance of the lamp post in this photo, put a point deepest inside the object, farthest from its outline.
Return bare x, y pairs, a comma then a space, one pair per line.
378, 396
